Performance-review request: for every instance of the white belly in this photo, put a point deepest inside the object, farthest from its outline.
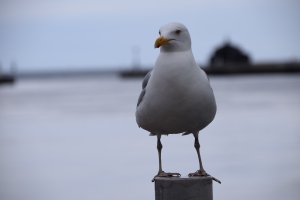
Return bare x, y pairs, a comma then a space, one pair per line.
176, 103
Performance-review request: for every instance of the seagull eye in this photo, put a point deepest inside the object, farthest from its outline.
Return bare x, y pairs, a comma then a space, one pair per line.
159, 32
178, 32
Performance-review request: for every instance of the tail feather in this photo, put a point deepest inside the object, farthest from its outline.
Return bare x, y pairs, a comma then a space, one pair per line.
153, 134
186, 133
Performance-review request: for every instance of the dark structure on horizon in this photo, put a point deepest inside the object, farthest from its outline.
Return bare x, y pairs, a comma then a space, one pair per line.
229, 59
229, 55
8, 78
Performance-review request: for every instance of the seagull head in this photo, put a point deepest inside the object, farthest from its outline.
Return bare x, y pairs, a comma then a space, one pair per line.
173, 37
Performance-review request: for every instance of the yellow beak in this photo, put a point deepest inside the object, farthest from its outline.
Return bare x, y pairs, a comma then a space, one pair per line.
161, 41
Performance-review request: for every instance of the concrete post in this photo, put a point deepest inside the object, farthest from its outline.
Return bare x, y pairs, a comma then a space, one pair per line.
183, 188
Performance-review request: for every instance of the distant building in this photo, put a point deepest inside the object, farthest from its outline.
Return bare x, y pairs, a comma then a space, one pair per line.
229, 55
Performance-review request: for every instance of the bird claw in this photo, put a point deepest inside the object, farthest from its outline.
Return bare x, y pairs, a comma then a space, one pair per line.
203, 173
166, 174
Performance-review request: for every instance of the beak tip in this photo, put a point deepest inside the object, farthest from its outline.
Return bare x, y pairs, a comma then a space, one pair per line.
160, 42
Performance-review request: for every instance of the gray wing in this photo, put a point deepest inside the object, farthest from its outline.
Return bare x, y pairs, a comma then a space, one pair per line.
145, 82
206, 76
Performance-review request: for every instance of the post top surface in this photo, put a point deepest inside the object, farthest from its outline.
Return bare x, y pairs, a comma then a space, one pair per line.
183, 178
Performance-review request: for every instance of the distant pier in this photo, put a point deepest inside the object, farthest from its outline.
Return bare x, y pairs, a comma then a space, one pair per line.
6, 79
229, 69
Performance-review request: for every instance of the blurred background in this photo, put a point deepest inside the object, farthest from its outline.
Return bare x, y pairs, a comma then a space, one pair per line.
71, 74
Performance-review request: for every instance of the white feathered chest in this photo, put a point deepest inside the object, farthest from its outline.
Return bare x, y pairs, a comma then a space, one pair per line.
176, 95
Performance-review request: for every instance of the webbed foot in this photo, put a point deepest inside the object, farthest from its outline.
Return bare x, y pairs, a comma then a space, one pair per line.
203, 173
166, 174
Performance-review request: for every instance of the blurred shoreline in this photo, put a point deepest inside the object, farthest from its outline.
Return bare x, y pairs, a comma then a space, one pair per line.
210, 70
217, 70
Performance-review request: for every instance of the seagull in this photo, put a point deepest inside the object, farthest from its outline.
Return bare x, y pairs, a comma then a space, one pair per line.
176, 95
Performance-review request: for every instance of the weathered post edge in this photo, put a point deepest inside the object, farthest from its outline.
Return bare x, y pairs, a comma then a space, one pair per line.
192, 188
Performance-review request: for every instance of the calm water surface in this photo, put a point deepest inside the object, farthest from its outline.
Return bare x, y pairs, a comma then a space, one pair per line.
76, 138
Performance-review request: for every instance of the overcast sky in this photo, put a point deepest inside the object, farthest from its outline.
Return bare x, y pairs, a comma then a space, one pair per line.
84, 34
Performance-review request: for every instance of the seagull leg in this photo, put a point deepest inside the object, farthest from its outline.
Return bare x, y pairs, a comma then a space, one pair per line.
201, 171
159, 148
161, 173
197, 147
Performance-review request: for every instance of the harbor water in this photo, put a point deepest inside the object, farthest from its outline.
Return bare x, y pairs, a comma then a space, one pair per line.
76, 138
